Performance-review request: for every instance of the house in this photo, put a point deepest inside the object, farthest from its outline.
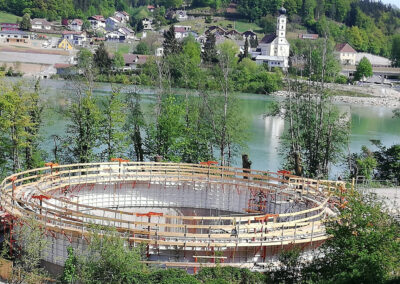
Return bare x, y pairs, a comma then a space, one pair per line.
97, 21
147, 24
76, 38
151, 8
65, 44
133, 61
9, 27
124, 16
113, 23
129, 33
64, 69
160, 51
115, 36
376, 60
249, 35
308, 36
346, 54
181, 15
76, 25
40, 24
182, 31
274, 48
216, 30
14, 36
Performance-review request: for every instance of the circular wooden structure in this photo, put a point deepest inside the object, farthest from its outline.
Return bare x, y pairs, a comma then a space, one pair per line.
187, 215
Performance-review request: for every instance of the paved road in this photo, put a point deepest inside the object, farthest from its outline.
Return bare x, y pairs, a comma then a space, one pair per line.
37, 58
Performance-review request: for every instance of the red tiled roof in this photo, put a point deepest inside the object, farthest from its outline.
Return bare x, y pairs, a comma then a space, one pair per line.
98, 18
180, 29
77, 21
345, 47
150, 7
135, 58
62, 65
71, 33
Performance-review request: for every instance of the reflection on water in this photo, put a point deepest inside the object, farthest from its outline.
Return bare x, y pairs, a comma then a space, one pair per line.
264, 132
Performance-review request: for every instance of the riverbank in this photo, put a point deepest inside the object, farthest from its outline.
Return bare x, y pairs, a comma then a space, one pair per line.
366, 95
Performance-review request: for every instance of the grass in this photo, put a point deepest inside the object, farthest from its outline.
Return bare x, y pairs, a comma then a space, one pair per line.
8, 18
112, 47
198, 25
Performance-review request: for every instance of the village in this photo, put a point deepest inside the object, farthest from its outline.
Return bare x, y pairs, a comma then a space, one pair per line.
44, 49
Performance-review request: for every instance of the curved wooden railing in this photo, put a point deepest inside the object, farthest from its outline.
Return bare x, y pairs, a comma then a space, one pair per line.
74, 219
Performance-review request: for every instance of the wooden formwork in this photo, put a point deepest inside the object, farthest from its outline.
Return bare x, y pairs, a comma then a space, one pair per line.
43, 194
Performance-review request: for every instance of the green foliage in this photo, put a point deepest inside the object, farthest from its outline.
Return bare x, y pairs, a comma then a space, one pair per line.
19, 123
171, 44
101, 59
70, 268
317, 132
364, 69
209, 54
254, 9
109, 260
25, 23
289, 270
118, 60
395, 54
363, 164
142, 48
364, 247
388, 161
230, 275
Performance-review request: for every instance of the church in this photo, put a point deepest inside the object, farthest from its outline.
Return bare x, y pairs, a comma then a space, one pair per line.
273, 49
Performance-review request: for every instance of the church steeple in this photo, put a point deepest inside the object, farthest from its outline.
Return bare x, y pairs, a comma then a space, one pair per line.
281, 24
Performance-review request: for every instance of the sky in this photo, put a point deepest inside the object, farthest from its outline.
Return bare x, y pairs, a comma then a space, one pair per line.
394, 2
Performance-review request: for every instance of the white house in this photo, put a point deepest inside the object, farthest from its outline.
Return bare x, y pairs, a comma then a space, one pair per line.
115, 36
160, 51
129, 33
76, 25
147, 24
40, 24
124, 16
181, 32
346, 54
76, 38
181, 15
97, 21
274, 48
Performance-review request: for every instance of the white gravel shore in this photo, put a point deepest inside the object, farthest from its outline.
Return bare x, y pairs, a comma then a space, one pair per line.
379, 95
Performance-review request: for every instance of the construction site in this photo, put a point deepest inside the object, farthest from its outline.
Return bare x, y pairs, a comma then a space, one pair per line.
185, 215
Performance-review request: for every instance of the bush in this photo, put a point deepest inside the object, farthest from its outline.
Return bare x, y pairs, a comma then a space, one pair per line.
341, 79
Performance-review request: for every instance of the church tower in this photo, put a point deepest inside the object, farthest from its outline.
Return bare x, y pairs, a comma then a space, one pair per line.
281, 25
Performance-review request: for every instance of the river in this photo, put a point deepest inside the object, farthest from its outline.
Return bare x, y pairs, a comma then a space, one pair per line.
367, 122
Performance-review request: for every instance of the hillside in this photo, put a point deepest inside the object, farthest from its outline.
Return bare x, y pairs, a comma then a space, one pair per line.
367, 25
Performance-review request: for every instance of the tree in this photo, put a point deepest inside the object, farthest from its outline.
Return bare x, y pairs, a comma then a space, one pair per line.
364, 247
118, 60
209, 54
388, 159
395, 54
26, 266
363, 70
112, 122
317, 132
102, 60
109, 260
142, 48
35, 110
14, 122
25, 23
363, 164
171, 44
135, 124
69, 275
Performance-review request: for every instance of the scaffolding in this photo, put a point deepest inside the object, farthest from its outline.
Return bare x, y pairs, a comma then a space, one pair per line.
186, 215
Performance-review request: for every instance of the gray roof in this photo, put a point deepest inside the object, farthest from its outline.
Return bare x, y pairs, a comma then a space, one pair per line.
14, 32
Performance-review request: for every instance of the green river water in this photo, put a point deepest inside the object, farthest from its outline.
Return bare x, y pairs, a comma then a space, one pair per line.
367, 122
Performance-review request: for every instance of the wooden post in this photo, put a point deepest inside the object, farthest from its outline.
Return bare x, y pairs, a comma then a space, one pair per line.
246, 164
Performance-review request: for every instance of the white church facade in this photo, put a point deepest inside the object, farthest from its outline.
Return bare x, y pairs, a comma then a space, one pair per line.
274, 49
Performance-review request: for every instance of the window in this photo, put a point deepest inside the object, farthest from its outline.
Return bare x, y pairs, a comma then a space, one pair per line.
282, 27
